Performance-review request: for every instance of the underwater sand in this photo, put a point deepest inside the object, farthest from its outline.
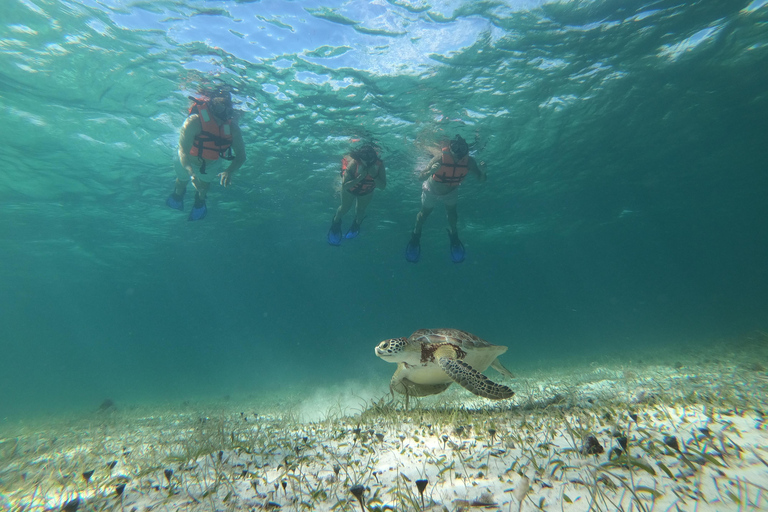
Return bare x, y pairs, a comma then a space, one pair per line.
693, 427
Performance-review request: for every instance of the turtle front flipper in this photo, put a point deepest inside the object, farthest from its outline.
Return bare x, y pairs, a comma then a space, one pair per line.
472, 380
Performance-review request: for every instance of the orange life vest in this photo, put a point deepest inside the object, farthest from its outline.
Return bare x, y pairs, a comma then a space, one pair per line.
213, 141
451, 172
367, 185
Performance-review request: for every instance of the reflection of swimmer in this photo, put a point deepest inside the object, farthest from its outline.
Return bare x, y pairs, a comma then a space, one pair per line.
443, 176
361, 172
208, 137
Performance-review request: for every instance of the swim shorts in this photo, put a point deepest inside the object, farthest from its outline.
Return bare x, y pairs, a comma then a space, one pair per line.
212, 170
429, 199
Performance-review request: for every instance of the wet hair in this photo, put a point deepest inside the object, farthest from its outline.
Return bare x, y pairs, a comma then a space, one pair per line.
221, 93
366, 154
459, 147
215, 91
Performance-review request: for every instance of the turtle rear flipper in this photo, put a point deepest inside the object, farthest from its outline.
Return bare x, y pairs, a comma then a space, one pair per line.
472, 380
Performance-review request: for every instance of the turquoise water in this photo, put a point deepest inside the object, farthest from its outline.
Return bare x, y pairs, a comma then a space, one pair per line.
624, 211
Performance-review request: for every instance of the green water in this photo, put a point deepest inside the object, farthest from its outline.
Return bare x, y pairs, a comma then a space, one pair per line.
624, 209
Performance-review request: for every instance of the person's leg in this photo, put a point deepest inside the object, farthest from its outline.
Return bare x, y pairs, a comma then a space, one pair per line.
413, 249
421, 217
199, 210
453, 217
347, 199
180, 187
427, 205
362, 204
457, 248
201, 191
334, 234
176, 199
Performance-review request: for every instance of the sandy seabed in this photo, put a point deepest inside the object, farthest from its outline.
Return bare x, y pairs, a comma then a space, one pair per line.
668, 436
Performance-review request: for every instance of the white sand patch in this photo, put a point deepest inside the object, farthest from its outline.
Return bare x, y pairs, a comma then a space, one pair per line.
338, 401
601, 439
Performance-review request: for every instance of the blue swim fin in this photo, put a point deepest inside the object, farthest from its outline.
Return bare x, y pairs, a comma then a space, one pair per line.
334, 234
457, 248
413, 249
354, 230
175, 201
199, 210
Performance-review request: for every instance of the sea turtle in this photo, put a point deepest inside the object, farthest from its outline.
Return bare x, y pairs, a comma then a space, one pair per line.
430, 360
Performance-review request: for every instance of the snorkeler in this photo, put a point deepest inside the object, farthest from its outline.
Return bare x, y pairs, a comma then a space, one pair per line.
443, 176
361, 172
207, 139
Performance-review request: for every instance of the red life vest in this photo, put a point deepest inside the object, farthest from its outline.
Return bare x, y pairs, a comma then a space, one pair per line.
367, 185
213, 141
451, 172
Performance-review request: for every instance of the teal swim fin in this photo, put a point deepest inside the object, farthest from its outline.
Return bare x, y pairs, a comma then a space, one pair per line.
457, 248
199, 210
334, 234
354, 230
413, 249
175, 201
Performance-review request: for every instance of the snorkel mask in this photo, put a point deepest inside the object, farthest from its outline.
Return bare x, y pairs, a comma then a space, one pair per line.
367, 154
221, 104
459, 147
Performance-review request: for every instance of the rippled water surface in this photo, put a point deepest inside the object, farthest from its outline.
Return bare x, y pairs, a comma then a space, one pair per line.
624, 209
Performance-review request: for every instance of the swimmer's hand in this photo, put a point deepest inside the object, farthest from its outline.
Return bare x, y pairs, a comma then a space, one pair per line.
483, 173
430, 170
224, 179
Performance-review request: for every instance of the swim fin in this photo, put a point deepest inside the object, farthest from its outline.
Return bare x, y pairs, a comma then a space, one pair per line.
334, 234
413, 249
199, 210
354, 230
175, 201
457, 248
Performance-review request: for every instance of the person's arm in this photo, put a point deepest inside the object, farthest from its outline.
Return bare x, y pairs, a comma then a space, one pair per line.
348, 180
433, 166
381, 177
479, 171
238, 146
189, 130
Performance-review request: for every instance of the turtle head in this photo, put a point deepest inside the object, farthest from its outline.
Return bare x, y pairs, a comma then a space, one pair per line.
393, 350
